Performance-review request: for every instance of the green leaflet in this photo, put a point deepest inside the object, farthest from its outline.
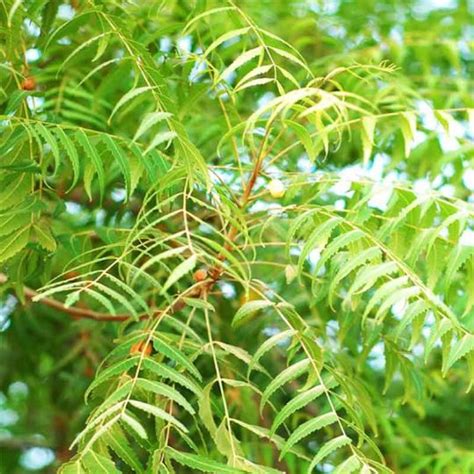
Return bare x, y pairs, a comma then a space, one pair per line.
368, 128
255, 82
268, 345
93, 155
118, 394
13, 189
458, 256
357, 394
348, 466
226, 443
176, 355
119, 444
158, 413
113, 296
134, 425
300, 401
205, 409
165, 391
402, 294
122, 160
225, 37
249, 309
318, 237
304, 136
291, 57
200, 463
12, 220
128, 97
49, 138
69, 27
307, 428
159, 138
99, 297
44, 236
27, 166
10, 245
446, 120
74, 467
394, 223
368, 276
412, 311
72, 154
205, 14
167, 372
337, 244
264, 433
408, 128
198, 303
383, 292
442, 327
101, 46
182, 269
361, 258
55, 289
98, 464
154, 163
136, 297
458, 350
84, 45
148, 121
116, 369
156, 259
456, 220
327, 449
240, 61
290, 373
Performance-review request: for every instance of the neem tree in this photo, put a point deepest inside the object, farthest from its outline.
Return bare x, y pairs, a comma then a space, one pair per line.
249, 224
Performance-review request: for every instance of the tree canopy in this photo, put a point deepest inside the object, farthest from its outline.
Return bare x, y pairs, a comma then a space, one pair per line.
236, 236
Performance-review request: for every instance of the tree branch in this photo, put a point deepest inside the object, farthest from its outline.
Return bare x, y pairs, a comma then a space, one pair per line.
215, 273
74, 312
23, 443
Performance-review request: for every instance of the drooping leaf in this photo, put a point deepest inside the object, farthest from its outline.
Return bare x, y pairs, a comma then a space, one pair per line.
368, 128
200, 463
307, 428
182, 269
249, 309
459, 349
95, 462
128, 97
10, 245
327, 449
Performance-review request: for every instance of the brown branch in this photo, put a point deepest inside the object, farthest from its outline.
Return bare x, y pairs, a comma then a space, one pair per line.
86, 313
74, 312
217, 270
23, 443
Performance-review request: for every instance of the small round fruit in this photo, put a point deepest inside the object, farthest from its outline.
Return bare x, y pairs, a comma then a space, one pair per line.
29, 84
200, 275
276, 188
135, 349
140, 347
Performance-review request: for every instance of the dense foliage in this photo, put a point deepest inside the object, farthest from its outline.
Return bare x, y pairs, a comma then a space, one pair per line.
242, 230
